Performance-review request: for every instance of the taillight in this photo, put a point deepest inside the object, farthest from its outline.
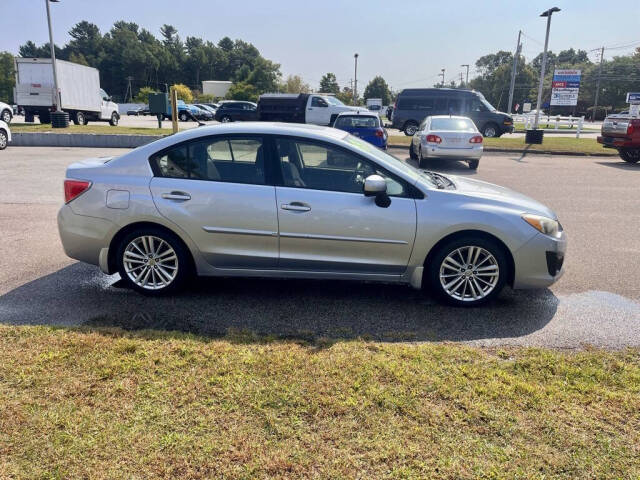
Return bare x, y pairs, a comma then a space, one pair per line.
633, 124
476, 139
379, 133
74, 188
434, 139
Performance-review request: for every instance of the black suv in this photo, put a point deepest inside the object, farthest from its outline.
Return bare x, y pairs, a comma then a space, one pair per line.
413, 105
236, 111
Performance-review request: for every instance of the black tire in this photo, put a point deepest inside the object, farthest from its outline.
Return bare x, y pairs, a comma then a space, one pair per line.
6, 116
410, 128
226, 119
490, 130
630, 155
4, 140
45, 117
183, 117
432, 270
113, 121
412, 153
422, 162
183, 261
80, 118
473, 164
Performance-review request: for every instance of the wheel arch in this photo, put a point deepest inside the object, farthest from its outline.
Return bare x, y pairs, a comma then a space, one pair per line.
477, 233
120, 234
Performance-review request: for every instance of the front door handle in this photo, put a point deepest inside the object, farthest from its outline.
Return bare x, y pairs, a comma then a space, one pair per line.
176, 196
296, 207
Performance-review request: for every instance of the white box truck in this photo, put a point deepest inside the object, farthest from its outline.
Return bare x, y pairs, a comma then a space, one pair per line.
80, 92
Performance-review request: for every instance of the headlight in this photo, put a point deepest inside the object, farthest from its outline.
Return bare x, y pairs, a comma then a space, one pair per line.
544, 225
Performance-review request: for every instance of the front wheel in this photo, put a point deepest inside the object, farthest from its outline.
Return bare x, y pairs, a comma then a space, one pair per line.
4, 139
630, 155
410, 128
113, 121
6, 116
225, 119
468, 271
153, 262
183, 117
490, 130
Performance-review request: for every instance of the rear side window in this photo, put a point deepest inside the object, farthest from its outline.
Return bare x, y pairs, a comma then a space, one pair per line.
233, 159
416, 103
355, 121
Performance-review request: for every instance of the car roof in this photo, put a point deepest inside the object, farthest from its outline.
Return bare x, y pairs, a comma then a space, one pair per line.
357, 113
459, 117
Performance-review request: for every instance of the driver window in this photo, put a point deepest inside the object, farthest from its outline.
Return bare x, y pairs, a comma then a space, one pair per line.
318, 102
323, 167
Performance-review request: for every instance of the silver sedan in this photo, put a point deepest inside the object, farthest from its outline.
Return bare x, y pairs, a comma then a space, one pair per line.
447, 136
300, 201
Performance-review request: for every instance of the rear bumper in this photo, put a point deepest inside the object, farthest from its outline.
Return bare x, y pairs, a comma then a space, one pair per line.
540, 262
617, 142
84, 237
430, 150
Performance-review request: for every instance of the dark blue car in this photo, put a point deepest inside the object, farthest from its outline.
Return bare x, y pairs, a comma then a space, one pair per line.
367, 126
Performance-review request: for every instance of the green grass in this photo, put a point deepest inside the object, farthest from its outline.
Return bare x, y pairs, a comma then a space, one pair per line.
110, 404
102, 129
551, 125
550, 144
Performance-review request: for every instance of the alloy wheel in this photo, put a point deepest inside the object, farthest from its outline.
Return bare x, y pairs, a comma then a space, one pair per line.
6, 117
150, 262
469, 273
3, 140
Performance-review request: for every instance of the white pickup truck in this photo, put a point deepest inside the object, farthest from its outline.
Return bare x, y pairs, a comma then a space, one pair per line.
80, 92
313, 108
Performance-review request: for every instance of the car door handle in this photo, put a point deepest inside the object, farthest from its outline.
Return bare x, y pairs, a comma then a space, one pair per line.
176, 196
296, 207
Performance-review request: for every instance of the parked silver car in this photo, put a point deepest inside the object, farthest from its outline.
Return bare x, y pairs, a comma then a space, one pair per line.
295, 200
447, 136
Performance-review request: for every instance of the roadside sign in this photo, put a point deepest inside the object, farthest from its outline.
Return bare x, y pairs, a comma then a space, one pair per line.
633, 98
565, 87
526, 107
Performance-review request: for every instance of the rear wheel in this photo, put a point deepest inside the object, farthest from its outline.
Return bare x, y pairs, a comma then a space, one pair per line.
45, 117
630, 155
468, 271
410, 128
79, 118
422, 162
226, 119
4, 139
183, 117
473, 164
153, 262
412, 152
6, 116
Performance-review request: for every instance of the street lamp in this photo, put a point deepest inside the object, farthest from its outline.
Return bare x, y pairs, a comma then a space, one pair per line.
467, 66
355, 80
547, 14
53, 55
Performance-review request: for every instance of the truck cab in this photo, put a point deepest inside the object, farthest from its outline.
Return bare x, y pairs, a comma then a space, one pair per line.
323, 110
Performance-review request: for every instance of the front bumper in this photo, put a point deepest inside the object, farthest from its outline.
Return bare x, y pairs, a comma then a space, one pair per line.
430, 150
84, 237
539, 263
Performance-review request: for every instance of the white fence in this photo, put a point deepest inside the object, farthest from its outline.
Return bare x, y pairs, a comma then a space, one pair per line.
556, 120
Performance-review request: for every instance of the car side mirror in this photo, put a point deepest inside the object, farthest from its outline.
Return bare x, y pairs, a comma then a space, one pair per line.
376, 186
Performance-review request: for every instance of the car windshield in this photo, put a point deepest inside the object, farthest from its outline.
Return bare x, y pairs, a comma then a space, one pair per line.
356, 121
333, 101
412, 172
486, 103
453, 124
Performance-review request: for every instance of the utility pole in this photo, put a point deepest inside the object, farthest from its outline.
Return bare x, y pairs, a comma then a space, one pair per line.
547, 14
595, 104
460, 78
442, 74
355, 80
513, 72
128, 92
467, 67
53, 57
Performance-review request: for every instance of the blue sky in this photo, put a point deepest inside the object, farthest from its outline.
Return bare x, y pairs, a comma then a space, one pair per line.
407, 42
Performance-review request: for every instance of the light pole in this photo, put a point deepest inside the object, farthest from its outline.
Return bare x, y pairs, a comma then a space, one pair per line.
442, 73
355, 80
547, 14
467, 66
53, 56
513, 72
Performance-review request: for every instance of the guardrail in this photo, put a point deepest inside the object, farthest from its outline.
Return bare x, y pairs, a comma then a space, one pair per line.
556, 120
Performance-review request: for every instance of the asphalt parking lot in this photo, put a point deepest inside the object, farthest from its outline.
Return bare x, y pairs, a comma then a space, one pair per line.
597, 302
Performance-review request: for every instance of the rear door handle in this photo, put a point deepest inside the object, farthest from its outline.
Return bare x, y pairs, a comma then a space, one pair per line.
296, 207
176, 196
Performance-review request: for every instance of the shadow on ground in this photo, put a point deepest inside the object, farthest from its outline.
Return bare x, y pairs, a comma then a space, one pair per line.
79, 295
622, 165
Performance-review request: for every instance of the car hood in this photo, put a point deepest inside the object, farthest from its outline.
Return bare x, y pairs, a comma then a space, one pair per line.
503, 195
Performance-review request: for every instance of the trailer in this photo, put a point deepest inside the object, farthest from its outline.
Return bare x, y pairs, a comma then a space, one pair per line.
79, 89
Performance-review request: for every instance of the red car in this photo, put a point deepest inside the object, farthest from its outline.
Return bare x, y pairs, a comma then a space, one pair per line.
623, 134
